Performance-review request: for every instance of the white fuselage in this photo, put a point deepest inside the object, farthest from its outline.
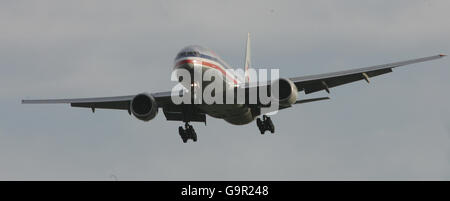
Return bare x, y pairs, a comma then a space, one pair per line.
201, 57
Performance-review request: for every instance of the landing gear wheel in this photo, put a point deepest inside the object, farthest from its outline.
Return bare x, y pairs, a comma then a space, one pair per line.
187, 133
260, 125
194, 136
270, 126
259, 122
182, 133
265, 124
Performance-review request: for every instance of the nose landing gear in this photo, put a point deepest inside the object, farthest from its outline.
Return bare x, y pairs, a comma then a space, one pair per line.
265, 124
187, 133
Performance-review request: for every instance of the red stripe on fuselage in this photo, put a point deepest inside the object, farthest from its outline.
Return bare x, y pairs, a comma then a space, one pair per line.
211, 65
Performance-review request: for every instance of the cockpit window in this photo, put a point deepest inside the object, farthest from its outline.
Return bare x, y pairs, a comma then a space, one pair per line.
188, 54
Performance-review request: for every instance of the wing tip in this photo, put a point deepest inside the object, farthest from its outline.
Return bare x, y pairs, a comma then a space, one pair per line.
442, 55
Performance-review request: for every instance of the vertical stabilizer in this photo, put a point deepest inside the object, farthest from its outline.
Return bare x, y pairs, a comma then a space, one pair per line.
247, 59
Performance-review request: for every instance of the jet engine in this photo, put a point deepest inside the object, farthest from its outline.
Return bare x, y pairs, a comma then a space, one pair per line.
144, 107
287, 93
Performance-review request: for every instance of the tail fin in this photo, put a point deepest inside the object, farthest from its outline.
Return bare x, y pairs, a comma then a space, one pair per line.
247, 59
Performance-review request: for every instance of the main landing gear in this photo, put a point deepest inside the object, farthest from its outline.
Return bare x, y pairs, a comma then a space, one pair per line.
265, 124
187, 133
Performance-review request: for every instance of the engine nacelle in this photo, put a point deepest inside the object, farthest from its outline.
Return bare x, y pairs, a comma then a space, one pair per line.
287, 93
144, 107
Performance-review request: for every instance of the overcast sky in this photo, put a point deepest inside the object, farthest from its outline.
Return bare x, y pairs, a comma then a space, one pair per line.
396, 127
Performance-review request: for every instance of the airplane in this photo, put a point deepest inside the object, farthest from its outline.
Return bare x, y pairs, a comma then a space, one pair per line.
145, 106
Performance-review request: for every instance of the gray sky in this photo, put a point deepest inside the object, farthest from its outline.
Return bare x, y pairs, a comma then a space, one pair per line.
398, 127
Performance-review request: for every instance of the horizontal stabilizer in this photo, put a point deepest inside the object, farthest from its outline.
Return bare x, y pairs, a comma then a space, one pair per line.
311, 100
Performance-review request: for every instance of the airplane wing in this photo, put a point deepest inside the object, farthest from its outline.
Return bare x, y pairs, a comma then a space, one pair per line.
314, 83
163, 100
115, 102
